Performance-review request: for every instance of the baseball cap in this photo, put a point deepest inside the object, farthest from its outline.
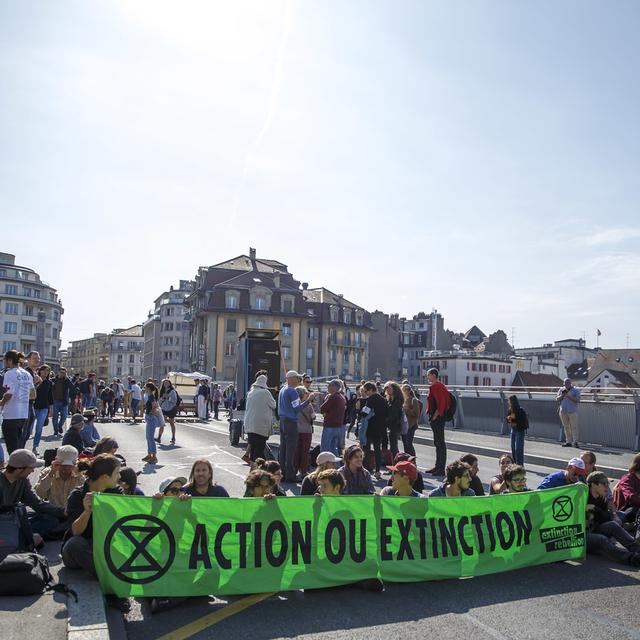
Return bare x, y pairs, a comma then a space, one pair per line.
327, 456
67, 454
167, 482
23, 458
292, 373
76, 419
408, 468
403, 456
578, 465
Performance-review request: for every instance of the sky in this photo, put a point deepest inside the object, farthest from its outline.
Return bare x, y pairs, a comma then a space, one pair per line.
480, 158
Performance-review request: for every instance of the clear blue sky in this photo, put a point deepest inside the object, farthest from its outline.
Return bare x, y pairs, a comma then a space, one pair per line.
477, 157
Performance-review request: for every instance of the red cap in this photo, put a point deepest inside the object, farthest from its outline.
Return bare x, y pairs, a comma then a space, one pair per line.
410, 470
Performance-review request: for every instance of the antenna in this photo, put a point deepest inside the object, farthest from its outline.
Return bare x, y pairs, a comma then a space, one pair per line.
513, 337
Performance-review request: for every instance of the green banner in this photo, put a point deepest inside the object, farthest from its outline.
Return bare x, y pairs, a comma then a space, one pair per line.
147, 547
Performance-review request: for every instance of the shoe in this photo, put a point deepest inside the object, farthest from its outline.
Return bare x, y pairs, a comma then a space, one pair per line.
35, 452
158, 440
576, 445
567, 444
121, 604
377, 475
172, 441
246, 458
147, 458
153, 459
431, 472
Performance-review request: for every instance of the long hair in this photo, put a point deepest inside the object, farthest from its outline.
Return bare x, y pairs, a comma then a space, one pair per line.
514, 404
153, 389
193, 468
168, 388
395, 390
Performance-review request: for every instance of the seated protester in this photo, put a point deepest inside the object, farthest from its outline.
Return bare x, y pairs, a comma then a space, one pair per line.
325, 460
627, 493
418, 485
570, 475
358, 481
476, 483
15, 488
589, 459
73, 435
201, 483
129, 482
172, 487
260, 484
515, 479
330, 483
497, 484
89, 432
403, 476
457, 481
110, 446
102, 476
273, 467
61, 478
602, 530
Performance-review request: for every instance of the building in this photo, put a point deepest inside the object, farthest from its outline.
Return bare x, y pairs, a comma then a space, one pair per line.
467, 368
124, 348
421, 333
30, 312
89, 355
321, 333
614, 368
338, 333
563, 358
529, 380
167, 334
383, 346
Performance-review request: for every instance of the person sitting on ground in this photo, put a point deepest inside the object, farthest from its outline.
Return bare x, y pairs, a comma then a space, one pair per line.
515, 479
457, 481
330, 483
358, 481
89, 433
260, 484
72, 435
273, 467
418, 485
403, 476
325, 460
575, 468
497, 484
172, 487
589, 459
602, 530
476, 483
201, 483
626, 495
15, 488
61, 478
129, 482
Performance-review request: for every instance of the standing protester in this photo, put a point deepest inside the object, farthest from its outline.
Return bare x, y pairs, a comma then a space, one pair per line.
118, 395
202, 395
357, 479
63, 390
289, 406
136, 396
438, 403
457, 482
569, 397
305, 432
43, 404
107, 397
216, 396
32, 362
375, 410
411, 408
395, 401
332, 410
169, 405
201, 483
18, 387
258, 418
151, 411
517, 418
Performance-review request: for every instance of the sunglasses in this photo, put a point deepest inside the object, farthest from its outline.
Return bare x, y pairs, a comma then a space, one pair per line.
172, 491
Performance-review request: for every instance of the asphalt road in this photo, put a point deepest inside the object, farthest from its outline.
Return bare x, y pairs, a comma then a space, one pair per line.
595, 599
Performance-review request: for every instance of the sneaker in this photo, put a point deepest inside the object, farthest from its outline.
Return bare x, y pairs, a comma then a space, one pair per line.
121, 604
377, 475
567, 444
35, 452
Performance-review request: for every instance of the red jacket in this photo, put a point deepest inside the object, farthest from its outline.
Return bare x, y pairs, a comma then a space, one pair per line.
333, 410
627, 493
439, 399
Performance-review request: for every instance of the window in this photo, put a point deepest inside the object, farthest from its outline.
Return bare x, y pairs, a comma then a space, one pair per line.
286, 352
231, 325
476, 381
130, 371
132, 358
359, 317
474, 366
230, 349
346, 316
287, 304
445, 380
11, 327
28, 310
54, 332
309, 353
504, 382
261, 303
11, 289
7, 345
345, 357
56, 315
168, 340
53, 351
260, 324
11, 309
232, 300
486, 382
333, 335
3, 273
36, 293
119, 358
169, 311
332, 355
312, 333
168, 326
333, 313
118, 371
467, 382
27, 328
492, 368
286, 329
359, 358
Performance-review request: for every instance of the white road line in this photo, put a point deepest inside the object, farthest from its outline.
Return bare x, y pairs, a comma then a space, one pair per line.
494, 633
612, 625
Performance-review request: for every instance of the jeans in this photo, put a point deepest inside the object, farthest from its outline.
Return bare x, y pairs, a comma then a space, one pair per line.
41, 416
77, 553
288, 442
12, 432
407, 441
151, 426
517, 446
331, 439
60, 413
437, 426
394, 436
216, 406
86, 400
614, 530
301, 459
43, 523
27, 427
134, 408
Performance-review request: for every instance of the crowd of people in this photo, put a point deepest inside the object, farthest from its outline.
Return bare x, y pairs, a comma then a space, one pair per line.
381, 416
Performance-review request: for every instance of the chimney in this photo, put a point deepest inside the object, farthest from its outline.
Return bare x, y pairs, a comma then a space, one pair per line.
252, 253
305, 286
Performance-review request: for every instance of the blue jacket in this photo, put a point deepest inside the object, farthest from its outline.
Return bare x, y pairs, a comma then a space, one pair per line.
556, 479
289, 405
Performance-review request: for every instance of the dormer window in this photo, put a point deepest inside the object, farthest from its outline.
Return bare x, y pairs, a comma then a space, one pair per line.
232, 300
346, 314
333, 312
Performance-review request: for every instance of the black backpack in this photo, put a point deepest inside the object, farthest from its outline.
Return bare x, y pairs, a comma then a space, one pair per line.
23, 574
451, 411
15, 530
178, 399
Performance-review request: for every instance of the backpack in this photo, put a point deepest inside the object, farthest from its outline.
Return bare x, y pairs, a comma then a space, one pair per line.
15, 530
23, 574
178, 399
451, 411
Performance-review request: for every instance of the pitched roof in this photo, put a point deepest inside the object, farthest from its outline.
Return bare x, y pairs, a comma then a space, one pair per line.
528, 379
624, 379
474, 331
323, 295
131, 332
245, 263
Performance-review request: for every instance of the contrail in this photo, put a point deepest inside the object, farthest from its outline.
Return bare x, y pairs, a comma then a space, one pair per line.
272, 105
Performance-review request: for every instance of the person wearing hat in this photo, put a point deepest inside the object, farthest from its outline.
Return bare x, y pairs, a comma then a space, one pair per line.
61, 478
171, 487
325, 460
15, 488
258, 418
403, 476
289, 406
418, 483
72, 435
575, 468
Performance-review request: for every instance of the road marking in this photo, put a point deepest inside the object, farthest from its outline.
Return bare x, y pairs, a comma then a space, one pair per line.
217, 616
606, 622
494, 633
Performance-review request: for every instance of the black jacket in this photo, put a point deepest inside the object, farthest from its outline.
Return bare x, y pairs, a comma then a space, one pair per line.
378, 424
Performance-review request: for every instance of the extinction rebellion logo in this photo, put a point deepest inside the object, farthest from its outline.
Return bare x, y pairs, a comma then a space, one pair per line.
563, 536
129, 538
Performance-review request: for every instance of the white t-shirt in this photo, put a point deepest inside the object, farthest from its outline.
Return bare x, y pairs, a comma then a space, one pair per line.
136, 392
18, 383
